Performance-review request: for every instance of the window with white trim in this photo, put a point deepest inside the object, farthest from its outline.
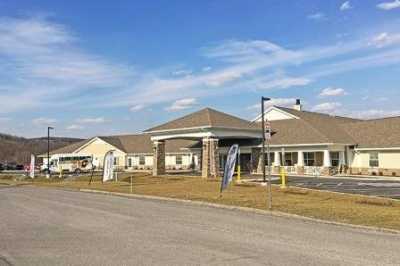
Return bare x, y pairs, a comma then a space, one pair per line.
142, 160
309, 159
178, 159
374, 159
335, 159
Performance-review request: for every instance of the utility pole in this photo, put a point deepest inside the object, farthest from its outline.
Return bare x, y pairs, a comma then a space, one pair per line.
263, 100
48, 152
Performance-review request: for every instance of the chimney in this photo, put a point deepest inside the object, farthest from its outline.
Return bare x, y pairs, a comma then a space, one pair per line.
297, 106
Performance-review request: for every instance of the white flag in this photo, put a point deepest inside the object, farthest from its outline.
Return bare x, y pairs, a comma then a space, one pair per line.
108, 171
32, 167
229, 166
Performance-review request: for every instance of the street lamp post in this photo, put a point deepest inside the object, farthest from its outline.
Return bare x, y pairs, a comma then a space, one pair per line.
48, 152
263, 100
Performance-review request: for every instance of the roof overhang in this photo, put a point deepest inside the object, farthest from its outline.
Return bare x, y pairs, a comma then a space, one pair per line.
196, 133
378, 149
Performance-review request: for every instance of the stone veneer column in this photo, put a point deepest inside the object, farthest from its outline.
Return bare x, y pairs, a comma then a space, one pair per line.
210, 158
158, 158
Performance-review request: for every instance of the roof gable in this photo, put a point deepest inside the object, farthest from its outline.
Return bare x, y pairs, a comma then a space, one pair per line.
275, 113
206, 117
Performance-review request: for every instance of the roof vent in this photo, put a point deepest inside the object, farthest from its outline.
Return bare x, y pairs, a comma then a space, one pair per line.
297, 106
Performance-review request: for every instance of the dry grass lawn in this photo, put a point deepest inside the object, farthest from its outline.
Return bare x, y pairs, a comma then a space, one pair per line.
360, 210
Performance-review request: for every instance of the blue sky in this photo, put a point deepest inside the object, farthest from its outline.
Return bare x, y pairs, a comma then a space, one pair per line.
115, 67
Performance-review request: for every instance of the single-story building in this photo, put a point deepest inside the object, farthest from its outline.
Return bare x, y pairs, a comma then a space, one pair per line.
132, 152
302, 142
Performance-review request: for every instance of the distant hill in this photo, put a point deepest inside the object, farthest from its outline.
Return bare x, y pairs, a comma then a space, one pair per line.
19, 149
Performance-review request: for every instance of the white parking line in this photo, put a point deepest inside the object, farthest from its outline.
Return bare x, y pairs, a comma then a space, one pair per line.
388, 185
319, 184
338, 185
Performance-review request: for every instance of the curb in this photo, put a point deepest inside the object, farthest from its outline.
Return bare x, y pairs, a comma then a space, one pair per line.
245, 209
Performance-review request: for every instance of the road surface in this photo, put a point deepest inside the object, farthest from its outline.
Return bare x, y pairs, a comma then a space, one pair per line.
40, 226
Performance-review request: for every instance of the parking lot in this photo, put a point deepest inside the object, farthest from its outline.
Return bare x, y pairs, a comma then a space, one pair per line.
364, 186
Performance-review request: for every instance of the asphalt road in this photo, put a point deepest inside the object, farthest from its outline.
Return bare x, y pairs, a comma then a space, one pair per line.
40, 226
363, 186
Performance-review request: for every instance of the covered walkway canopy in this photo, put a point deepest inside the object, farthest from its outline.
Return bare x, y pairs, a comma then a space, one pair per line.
207, 125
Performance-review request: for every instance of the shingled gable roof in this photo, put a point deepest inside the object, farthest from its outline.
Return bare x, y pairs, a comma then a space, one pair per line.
69, 148
206, 117
141, 143
376, 133
310, 128
137, 143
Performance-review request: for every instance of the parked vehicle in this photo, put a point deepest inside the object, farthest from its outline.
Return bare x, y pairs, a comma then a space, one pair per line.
68, 163
1, 167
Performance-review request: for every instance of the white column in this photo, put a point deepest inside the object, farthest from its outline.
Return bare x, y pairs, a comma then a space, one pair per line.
327, 159
300, 158
341, 158
277, 159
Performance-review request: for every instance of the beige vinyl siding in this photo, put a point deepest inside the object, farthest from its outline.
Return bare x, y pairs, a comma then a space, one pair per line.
389, 160
360, 160
98, 148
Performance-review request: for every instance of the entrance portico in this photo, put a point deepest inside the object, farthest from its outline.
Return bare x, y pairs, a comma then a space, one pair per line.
208, 126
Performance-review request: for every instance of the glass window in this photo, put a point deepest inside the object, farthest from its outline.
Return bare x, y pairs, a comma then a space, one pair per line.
290, 158
309, 159
374, 159
129, 162
142, 160
178, 159
272, 158
335, 159
115, 160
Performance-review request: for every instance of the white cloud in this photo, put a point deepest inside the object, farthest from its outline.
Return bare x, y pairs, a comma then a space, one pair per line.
327, 92
326, 107
75, 127
346, 6
137, 107
182, 72
44, 121
389, 5
182, 104
283, 102
384, 39
317, 16
91, 120
43, 66
373, 113
47, 68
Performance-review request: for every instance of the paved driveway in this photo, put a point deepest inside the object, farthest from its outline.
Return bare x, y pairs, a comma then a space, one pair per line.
364, 186
40, 226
